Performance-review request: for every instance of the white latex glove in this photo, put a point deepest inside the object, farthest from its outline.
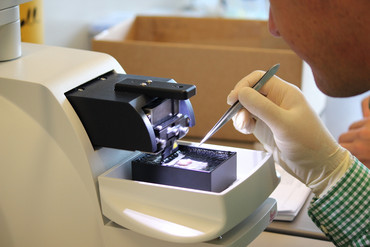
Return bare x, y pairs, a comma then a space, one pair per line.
282, 120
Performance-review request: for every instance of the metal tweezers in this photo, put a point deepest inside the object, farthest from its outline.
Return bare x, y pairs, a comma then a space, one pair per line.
237, 106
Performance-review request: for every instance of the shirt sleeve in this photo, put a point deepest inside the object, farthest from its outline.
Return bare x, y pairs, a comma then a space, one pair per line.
343, 212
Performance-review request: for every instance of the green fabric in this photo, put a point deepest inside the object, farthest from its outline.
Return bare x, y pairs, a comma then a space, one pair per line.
343, 212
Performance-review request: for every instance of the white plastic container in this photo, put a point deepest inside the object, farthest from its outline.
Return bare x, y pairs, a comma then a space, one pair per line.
185, 215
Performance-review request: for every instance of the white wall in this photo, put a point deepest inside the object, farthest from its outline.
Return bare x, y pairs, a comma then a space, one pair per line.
67, 22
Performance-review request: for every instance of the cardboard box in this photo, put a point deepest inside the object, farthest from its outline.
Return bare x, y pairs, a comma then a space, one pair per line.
212, 53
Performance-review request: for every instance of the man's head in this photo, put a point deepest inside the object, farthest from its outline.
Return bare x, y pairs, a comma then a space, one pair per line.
332, 36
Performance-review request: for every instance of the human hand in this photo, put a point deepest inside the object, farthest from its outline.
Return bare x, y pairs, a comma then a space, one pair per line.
282, 120
357, 138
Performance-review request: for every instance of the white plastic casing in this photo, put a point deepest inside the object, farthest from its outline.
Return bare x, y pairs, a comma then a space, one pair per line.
185, 215
10, 29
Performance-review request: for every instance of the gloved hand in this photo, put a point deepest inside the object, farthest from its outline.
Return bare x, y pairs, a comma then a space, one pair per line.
282, 120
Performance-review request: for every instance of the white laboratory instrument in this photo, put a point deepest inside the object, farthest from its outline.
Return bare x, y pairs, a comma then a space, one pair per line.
59, 188
10, 34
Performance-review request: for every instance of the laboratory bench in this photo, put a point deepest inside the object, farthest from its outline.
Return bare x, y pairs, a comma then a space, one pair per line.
283, 240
